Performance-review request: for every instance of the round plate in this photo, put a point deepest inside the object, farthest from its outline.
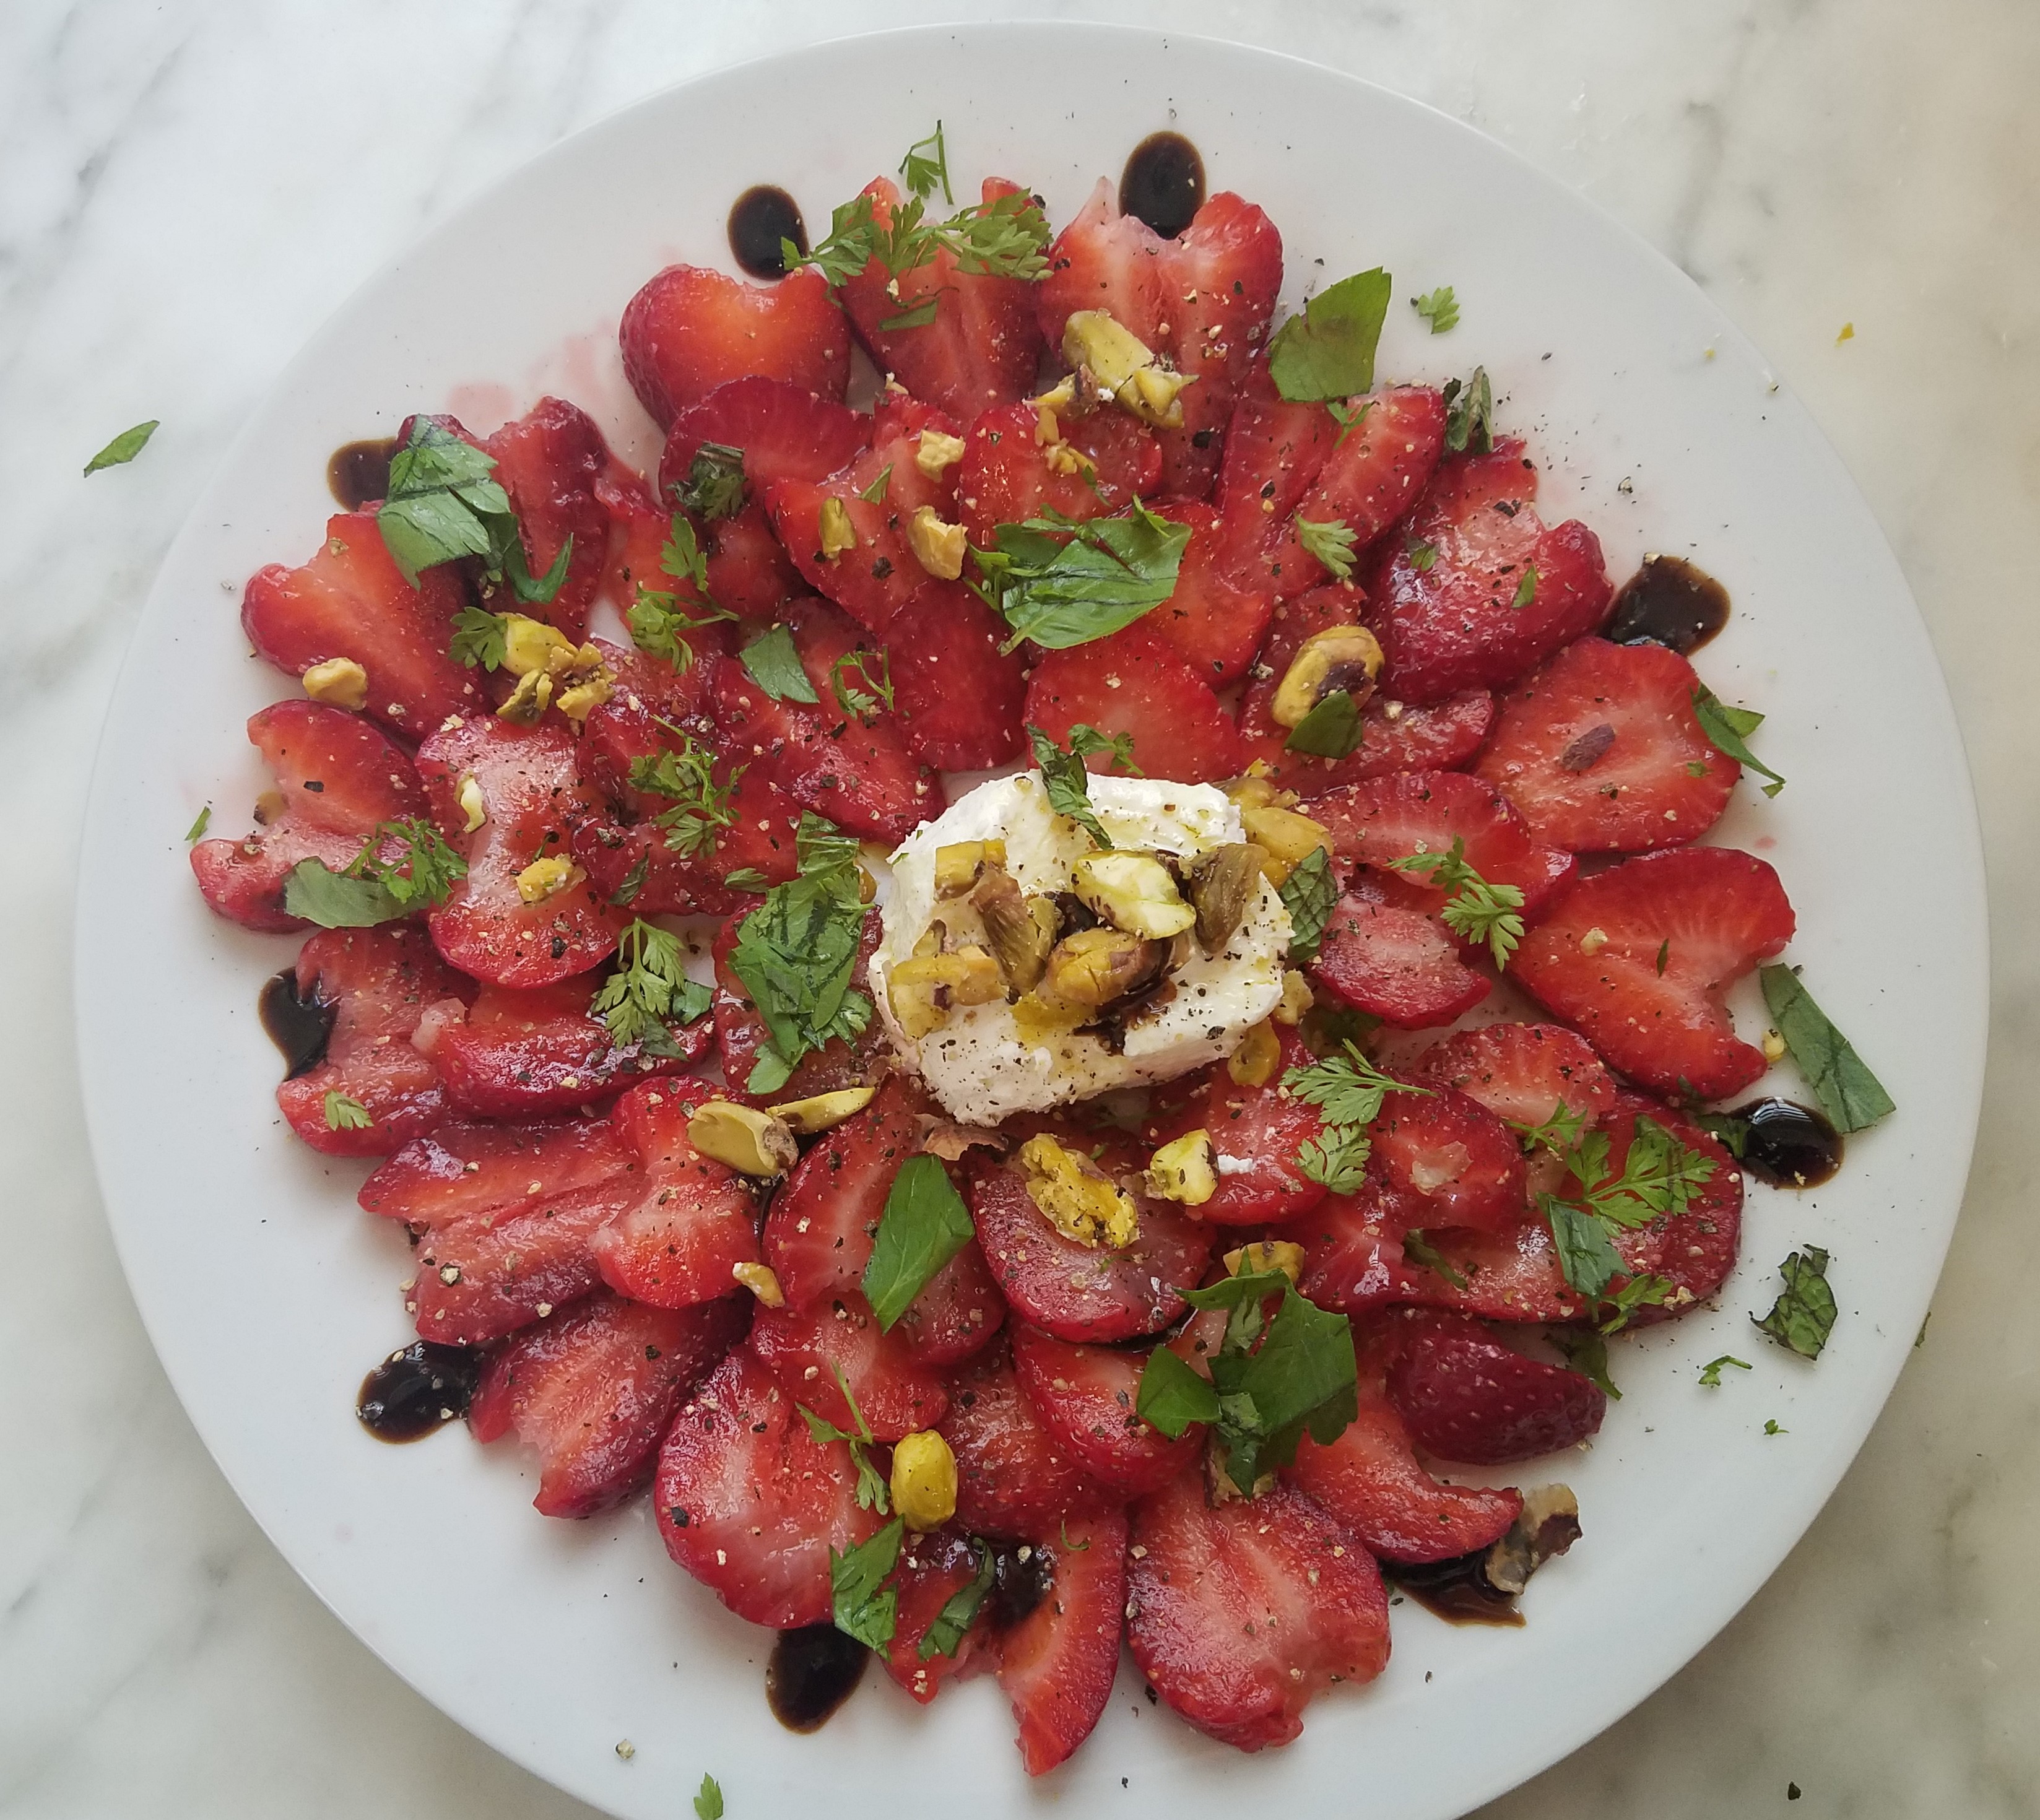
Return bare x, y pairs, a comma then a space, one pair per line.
268, 1294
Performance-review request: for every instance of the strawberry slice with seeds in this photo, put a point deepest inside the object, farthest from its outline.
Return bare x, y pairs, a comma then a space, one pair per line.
1020, 461
741, 1033
1274, 452
1601, 751
1213, 620
1057, 1666
806, 1350
960, 699
1695, 1249
379, 984
1256, 1134
549, 460
1133, 682
933, 1569
1084, 1396
981, 346
1464, 1396
1241, 1612
1012, 1479
1103, 260
693, 1220
1497, 592
1454, 1161
1383, 954
532, 795
689, 329
1637, 959
1521, 1072
634, 866
640, 530
594, 1388
957, 1313
750, 1503
350, 600
338, 778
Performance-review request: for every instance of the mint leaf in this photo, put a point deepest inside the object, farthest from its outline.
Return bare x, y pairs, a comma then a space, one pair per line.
124, 448
1728, 729
1332, 729
1310, 894
335, 900
1328, 351
1172, 1396
1586, 1351
944, 1637
1586, 1255
861, 1609
1060, 583
925, 1225
775, 668
1850, 1094
1067, 782
1803, 1316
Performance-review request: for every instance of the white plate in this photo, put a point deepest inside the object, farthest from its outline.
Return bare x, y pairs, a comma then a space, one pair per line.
267, 1295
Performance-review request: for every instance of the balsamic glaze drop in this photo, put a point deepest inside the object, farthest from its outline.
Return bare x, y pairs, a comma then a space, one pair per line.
1671, 602
421, 1388
299, 1027
1163, 183
761, 218
1459, 1591
813, 1670
358, 472
1017, 1587
1788, 1144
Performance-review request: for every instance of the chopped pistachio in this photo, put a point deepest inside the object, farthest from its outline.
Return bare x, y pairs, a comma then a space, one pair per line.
1078, 1199
746, 1138
1182, 1170
1346, 657
837, 533
1260, 1054
1134, 892
822, 1111
339, 682
924, 990
547, 877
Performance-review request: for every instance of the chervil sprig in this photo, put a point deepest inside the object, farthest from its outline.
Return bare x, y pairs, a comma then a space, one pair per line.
701, 805
650, 992
1475, 910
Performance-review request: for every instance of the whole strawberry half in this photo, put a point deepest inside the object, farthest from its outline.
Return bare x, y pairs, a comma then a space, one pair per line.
689, 329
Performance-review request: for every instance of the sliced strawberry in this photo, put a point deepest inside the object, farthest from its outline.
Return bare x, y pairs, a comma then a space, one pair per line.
549, 460
694, 1219
1241, 1612
626, 727
867, 580
1257, 1133
1455, 1162
640, 529
1012, 1479
338, 778
378, 983
895, 1394
958, 1310
1274, 452
1454, 623
689, 329
1383, 955
740, 1032
532, 797
1084, 1396
1371, 1480
750, 1503
1106, 261
350, 600
1601, 751
818, 1234
960, 700
760, 833
594, 1388
980, 348
1369, 477
1521, 1072
634, 866
505, 1213
527, 1055
1082, 1292
933, 1569
890, 466
1212, 620
1133, 682
1637, 959
1013, 469
1058, 1664
1465, 1395
1693, 1251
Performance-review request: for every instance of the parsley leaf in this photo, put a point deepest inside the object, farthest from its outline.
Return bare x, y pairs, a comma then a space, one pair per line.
776, 667
925, 168
1586, 1351
919, 317
1349, 1089
344, 1114
1331, 542
1337, 1158
443, 503
1770, 1426
1804, 1315
336, 900
480, 638
1332, 729
747, 878
1475, 911
200, 823
1348, 417
1470, 414
1309, 894
1559, 1133
701, 806
1328, 351
944, 1636
715, 486
1526, 587
1728, 729
1440, 308
1061, 584
1711, 1372
1423, 556
875, 493
625, 894
925, 1225
861, 1609
124, 448
1067, 782
708, 1804
876, 669
1586, 1255
649, 992
1850, 1094
1173, 1395
873, 1493
1005, 238
372, 889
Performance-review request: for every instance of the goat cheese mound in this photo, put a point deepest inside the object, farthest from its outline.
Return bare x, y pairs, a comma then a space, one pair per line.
978, 1063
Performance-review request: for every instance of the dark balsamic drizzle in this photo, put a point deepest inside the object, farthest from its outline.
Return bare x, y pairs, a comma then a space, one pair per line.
813, 1670
1670, 602
759, 219
300, 1027
1163, 183
1018, 1586
358, 472
1788, 1144
418, 1390
1459, 1591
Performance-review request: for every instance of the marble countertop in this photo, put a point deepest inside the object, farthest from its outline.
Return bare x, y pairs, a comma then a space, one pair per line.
187, 187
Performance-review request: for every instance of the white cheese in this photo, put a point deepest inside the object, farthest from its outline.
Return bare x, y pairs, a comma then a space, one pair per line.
976, 1064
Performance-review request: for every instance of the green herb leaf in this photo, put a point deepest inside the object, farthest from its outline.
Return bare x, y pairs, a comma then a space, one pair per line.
1310, 893
925, 1225
775, 668
124, 448
876, 669
481, 637
1348, 1089
1337, 1158
336, 900
919, 316
344, 1114
708, 1804
701, 805
1729, 1131
1173, 1395
1728, 729
1086, 741
1332, 729
1062, 584
1005, 238
1643, 1291
1560, 1133
1067, 782
650, 994
1585, 1350
944, 1637
1586, 1255
872, 1492
1418, 1249
200, 822
1803, 1316
1526, 588
1470, 414
1476, 911
876, 492
747, 878
925, 168
625, 894
1348, 418
1438, 308
443, 503
715, 486
1328, 351
861, 1609
1849, 1094
1423, 556
1711, 1372
1331, 542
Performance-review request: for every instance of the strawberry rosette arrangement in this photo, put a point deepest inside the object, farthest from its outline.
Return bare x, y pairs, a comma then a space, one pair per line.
1007, 1220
